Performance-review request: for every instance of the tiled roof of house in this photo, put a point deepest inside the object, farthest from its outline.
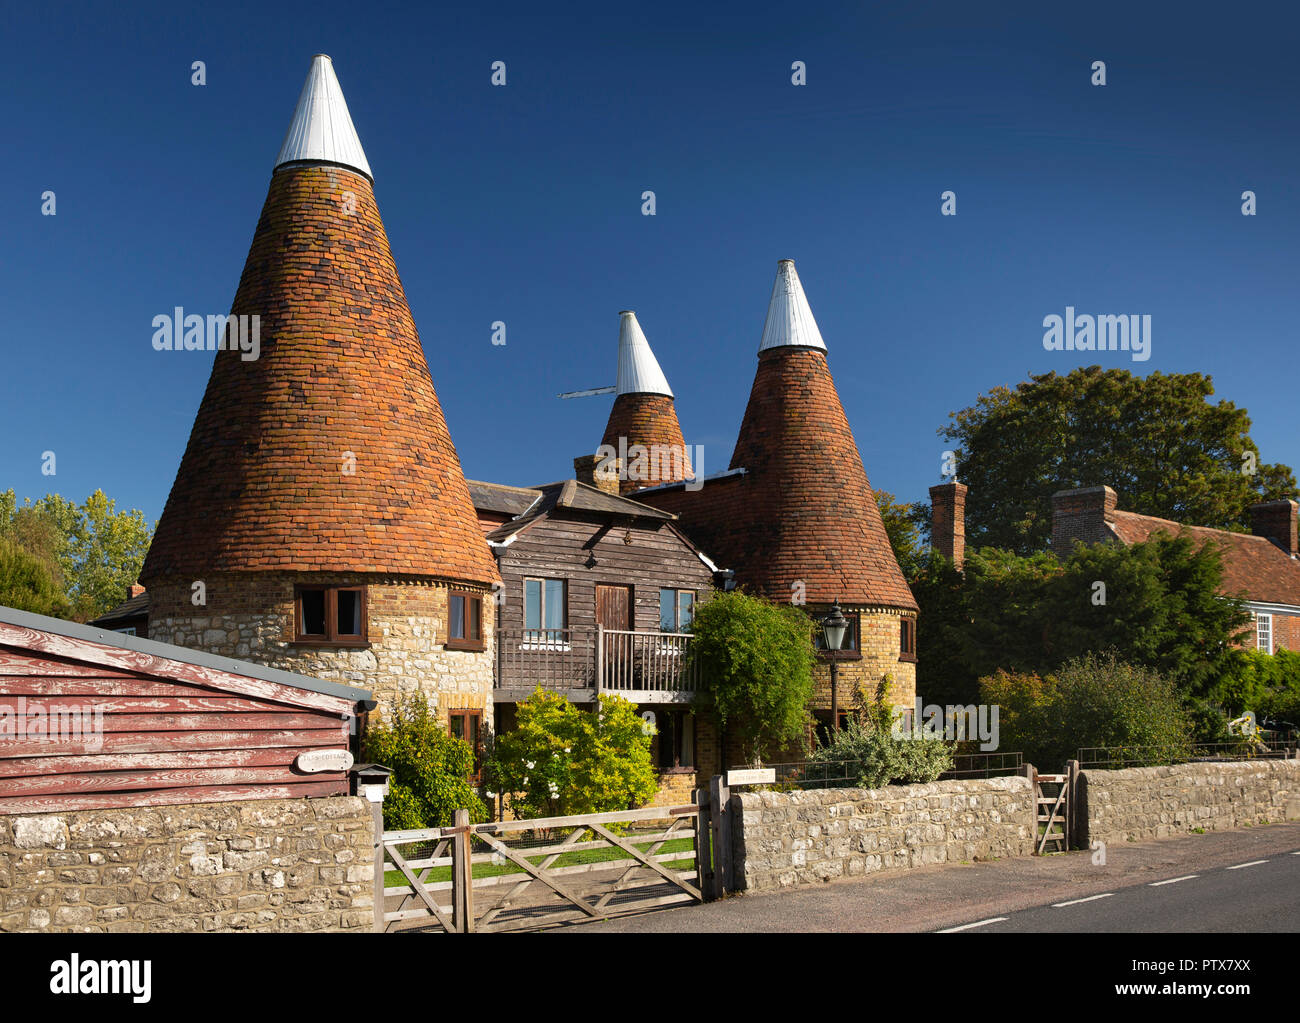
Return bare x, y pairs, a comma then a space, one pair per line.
571, 495
803, 512
497, 497
328, 452
132, 607
1254, 568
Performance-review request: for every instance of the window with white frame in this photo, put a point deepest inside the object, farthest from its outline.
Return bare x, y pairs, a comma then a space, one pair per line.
1264, 632
676, 610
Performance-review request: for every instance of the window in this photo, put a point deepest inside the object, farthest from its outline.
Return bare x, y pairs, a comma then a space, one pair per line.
676, 738
849, 650
546, 612
907, 639
332, 615
676, 609
128, 631
1264, 632
465, 621
467, 725
822, 732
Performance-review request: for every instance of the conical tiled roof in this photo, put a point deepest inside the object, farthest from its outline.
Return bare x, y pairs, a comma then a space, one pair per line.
329, 452
803, 511
644, 414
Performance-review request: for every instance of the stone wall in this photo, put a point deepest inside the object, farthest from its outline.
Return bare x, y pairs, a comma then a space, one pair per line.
1158, 802
250, 616
787, 838
264, 865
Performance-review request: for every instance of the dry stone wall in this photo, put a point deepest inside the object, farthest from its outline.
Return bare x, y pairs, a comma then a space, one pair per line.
264, 865
1158, 802
782, 839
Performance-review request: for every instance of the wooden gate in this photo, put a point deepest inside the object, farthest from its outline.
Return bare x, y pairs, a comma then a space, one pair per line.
1053, 807
529, 874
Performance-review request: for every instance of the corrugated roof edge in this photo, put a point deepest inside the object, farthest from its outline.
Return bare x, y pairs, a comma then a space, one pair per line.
106, 637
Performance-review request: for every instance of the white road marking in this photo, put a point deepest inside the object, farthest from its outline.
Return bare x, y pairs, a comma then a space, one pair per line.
1252, 863
1173, 880
1075, 902
967, 927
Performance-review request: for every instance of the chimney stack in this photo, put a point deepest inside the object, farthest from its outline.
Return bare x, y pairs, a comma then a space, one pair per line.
585, 471
134, 590
1275, 520
1081, 515
948, 521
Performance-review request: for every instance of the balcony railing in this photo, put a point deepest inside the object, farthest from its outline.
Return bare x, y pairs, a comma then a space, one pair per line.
644, 666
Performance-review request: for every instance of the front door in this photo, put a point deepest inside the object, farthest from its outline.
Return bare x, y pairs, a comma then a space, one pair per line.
614, 611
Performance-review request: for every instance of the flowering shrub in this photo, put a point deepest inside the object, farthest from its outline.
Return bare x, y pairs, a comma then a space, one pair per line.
562, 760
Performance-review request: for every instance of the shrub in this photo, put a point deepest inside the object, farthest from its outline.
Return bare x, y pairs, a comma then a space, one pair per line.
27, 583
561, 759
876, 757
1268, 684
757, 659
431, 769
1093, 700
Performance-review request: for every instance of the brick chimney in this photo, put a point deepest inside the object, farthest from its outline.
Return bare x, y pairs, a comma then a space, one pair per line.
584, 471
1081, 515
134, 590
1275, 520
948, 521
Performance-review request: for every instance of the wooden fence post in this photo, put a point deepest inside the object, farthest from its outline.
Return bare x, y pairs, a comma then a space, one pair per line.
377, 886
462, 875
703, 844
1071, 803
720, 820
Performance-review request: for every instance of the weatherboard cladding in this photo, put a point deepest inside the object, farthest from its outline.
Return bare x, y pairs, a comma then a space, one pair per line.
157, 725
264, 481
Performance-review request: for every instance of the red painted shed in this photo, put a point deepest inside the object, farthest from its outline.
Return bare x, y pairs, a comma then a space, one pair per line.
91, 719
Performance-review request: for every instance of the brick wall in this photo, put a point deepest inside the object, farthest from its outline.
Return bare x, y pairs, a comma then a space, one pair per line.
265, 865
789, 838
1158, 802
1081, 515
251, 616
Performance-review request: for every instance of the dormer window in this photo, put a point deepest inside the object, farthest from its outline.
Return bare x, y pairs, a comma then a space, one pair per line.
330, 615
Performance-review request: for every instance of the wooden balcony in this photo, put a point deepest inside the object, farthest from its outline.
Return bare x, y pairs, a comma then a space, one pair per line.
643, 666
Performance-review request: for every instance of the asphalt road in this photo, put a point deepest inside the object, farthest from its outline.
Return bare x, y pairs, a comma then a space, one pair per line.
1225, 896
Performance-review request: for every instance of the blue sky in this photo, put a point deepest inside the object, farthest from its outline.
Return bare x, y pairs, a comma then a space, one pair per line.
523, 204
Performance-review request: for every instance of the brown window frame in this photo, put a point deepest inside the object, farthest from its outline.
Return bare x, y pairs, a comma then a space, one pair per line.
330, 637
852, 654
478, 747
907, 629
476, 645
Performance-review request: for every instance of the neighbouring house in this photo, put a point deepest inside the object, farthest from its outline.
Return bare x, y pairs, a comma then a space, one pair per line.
597, 595
320, 522
131, 617
93, 719
795, 517
1261, 567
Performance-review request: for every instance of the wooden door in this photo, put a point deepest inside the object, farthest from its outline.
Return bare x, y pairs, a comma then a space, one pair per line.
614, 611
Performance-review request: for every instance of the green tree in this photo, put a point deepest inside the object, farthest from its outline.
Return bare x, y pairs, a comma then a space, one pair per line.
757, 659
27, 583
431, 769
1158, 441
94, 551
908, 529
561, 760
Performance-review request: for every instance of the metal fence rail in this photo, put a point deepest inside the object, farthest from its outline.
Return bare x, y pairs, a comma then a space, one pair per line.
984, 765
1117, 757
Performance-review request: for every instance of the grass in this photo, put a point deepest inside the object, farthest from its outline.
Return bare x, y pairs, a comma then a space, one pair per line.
396, 879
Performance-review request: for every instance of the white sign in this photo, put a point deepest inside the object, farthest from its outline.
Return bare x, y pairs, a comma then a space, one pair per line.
754, 776
317, 760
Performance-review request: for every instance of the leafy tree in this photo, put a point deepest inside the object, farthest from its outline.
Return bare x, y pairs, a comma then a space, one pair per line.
94, 551
874, 756
431, 769
1157, 440
561, 759
27, 583
1094, 700
907, 526
758, 659
1162, 610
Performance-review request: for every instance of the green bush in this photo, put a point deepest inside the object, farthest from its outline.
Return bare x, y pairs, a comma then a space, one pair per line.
756, 658
1268, 684
27, 583
561, 759
1091, 701
431, 769
875, 756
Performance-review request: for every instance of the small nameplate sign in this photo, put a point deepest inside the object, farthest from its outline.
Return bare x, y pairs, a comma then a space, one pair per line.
753, 776
316, 760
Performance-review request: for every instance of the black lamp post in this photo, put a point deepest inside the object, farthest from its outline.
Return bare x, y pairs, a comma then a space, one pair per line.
834, 628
